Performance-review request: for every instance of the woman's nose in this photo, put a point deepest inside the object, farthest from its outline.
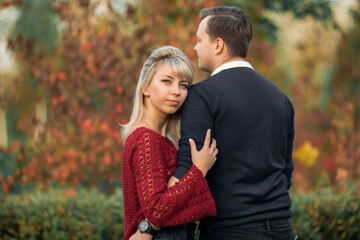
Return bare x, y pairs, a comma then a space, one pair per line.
176, 90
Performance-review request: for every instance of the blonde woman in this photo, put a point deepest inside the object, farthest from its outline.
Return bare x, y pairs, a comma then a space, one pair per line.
150, 154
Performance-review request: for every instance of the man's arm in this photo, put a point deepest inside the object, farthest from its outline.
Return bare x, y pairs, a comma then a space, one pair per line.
289, 165
197, 116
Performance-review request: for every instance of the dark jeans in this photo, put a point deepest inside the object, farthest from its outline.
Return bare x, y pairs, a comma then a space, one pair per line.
180, 232
279, 229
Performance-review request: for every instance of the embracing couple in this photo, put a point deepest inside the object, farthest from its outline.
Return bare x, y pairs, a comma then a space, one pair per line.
175, 172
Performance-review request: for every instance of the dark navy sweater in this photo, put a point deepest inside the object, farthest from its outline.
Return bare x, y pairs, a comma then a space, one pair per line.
252, 121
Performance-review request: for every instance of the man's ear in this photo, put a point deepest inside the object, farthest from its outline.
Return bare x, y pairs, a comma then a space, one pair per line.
219, 45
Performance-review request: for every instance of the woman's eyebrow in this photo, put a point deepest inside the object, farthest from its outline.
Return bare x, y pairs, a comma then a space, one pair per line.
168, 76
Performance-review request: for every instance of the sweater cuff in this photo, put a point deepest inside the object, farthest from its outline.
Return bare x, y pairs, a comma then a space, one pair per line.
195, 169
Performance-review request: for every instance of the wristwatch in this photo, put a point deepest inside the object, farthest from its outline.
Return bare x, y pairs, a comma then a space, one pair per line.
145, 227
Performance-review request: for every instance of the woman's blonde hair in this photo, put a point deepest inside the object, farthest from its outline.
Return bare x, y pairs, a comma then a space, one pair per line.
181, 66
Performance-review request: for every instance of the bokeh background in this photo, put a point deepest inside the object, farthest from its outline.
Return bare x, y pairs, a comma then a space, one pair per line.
68, 71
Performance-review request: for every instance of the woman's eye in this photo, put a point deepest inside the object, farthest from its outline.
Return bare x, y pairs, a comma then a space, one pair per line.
166, 81
184, 86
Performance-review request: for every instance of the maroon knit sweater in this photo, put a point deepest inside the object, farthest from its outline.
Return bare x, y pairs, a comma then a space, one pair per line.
149, 162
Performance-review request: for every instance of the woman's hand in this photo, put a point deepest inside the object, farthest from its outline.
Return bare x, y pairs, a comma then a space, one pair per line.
206, 157
140, 236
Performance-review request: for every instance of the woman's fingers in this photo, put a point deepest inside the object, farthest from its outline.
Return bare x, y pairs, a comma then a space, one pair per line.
214, 149
192, 145
206, 142
215, 152
206, 157
213, 144
207, 139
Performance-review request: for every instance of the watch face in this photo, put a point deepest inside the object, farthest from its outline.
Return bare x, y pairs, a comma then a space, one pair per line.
143, 226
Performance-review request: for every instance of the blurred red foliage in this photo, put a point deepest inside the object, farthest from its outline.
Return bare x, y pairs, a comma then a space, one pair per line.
88, 84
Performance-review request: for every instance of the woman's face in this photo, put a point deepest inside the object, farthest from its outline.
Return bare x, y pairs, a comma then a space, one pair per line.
166, 92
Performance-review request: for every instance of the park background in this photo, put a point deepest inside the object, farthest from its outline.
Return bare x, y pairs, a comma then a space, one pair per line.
68, 71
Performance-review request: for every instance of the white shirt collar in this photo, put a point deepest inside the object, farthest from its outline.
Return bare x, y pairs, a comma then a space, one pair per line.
232, 65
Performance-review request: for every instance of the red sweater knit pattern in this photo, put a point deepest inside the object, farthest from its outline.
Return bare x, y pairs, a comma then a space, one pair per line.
148, 163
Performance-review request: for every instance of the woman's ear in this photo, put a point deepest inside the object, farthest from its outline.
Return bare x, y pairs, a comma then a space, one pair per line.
146, 92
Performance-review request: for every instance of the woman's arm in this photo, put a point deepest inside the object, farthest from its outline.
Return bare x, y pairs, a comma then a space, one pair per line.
187, 201
140, 236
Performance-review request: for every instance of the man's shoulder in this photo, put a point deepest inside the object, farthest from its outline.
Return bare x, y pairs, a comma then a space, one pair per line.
217, 80
206, 83
201, 92
202, 88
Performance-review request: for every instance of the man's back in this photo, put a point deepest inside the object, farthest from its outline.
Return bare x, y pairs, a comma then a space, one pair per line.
252, 121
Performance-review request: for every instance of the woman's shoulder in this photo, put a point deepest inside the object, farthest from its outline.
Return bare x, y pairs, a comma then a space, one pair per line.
141, 132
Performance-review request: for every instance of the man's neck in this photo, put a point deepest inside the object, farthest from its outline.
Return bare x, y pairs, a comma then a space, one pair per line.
226, 60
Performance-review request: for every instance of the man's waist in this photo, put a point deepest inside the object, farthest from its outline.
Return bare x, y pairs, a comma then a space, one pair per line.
220, 221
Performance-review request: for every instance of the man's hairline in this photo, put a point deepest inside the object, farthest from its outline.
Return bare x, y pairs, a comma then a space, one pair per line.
207, 27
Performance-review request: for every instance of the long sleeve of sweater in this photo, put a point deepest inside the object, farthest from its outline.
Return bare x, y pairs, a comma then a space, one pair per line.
289, 165
187, 201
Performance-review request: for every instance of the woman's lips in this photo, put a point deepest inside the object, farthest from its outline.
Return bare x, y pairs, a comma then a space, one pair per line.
173, 102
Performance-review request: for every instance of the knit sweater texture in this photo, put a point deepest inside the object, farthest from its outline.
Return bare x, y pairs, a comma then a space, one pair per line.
252, 121
149, 161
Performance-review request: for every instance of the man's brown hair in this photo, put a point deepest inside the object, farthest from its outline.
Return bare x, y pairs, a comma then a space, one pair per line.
232, 26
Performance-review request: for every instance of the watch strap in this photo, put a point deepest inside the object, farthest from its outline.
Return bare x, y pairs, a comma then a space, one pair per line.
153, 232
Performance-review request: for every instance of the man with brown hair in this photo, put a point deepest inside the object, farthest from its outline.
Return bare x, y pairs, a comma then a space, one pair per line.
252, 121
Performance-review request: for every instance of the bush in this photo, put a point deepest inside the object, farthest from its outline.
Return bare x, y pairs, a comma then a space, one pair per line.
332, 214
62, 214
